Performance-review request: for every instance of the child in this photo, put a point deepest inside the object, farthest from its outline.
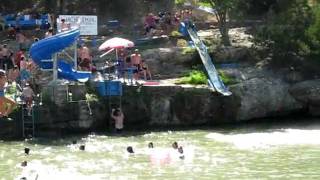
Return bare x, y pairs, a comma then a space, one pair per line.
145, 70
27, 94
118, 117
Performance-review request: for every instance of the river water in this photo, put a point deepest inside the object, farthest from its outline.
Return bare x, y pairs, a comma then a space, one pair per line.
240, 153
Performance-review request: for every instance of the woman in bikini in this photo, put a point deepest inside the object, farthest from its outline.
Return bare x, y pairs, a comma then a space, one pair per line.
6, 104
145, 70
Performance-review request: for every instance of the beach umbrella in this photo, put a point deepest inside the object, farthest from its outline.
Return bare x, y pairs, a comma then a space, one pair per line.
115, 43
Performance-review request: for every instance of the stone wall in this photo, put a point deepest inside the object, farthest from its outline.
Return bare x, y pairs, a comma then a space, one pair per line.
168, 106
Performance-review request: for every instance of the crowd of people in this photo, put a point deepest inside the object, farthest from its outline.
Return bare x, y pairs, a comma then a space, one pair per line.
17, 70
132, 65
164, 22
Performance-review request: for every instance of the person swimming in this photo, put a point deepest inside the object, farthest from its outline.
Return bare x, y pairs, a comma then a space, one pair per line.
175, 145
180, 150
24, 163
150, 145
130, 150
82, 147
27, 151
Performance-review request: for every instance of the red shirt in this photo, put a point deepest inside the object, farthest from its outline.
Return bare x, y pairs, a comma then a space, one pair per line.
18, 58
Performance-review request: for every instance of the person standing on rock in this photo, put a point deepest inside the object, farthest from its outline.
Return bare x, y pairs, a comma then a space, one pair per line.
136, 62
118, 117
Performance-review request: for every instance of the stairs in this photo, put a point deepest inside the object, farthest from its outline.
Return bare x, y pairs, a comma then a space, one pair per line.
28, 122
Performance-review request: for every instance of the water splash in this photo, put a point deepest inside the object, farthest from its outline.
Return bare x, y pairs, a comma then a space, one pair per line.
269, 139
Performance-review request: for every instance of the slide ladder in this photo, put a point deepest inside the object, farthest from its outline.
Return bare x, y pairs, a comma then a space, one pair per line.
28, 122
214, 79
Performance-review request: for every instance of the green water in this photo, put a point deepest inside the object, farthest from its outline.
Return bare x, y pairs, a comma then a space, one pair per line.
237, 154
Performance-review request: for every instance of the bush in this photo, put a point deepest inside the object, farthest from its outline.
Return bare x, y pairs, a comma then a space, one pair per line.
188, 50
182, 43
227, 80
176, 34
195, 77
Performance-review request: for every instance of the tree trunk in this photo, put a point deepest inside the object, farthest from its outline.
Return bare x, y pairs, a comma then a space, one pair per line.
60, 5
224, 30
223, 26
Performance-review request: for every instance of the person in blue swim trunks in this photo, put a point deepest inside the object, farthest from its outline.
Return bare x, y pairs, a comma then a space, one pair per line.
6, 104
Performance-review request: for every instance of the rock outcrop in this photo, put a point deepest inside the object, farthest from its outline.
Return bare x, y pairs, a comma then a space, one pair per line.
308, 93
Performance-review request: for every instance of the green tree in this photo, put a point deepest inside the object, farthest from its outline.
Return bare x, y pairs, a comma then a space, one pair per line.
285, 29
313, 32
222, 9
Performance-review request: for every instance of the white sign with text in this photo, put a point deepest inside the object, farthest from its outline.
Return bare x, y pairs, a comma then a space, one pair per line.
88, 24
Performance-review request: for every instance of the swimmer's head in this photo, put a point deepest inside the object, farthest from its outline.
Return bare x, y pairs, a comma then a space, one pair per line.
175, 145
27, 151
130, 149
24, 163
180, 150
150, 145
82, 147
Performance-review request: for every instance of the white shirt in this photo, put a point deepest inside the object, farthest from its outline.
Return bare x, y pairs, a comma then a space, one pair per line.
118, 120
27, 92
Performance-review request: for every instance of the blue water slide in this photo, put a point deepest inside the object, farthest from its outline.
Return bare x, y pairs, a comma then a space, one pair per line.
214, 79
65, 71
41, 52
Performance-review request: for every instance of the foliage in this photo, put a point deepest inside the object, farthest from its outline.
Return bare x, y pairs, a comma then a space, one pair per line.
179, 2
91, 97
194, 77
285, 30
188, 50
313, 32
176, 34
256, 8
222, 9
226, 79
182, 43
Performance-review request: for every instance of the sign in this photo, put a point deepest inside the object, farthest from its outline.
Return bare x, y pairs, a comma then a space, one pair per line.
87, 24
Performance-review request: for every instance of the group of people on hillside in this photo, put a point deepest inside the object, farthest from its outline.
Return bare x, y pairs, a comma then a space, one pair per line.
16, 70
134, 62
165, 22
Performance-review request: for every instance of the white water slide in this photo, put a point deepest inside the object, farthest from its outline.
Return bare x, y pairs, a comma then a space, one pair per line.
214, 79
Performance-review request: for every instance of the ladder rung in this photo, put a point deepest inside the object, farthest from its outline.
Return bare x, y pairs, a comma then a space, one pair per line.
47, 60
28, 122
46, 69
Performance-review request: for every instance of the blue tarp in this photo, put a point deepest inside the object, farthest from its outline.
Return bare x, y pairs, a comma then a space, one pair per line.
12, 20
45, 48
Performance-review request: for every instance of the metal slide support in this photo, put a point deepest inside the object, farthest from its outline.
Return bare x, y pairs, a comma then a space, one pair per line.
75, 55
55, 67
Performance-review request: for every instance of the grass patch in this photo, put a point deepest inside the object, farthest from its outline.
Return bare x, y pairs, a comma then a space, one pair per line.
195, 77
175, 34
226, 79
188, 50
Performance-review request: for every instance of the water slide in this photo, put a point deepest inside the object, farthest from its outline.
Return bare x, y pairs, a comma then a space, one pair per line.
42, 51
214, 79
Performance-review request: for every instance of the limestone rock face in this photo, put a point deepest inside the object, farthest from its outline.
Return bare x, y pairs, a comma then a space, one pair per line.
262, 97
230, 54
168, 61
258, 94
308, 93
